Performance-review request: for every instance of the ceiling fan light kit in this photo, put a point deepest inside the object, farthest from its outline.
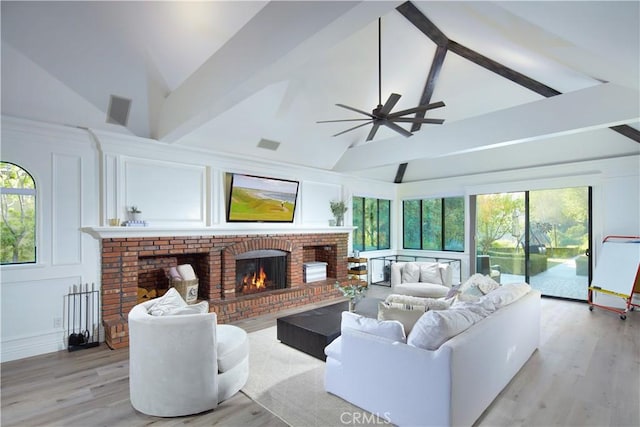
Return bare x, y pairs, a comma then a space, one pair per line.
382, 115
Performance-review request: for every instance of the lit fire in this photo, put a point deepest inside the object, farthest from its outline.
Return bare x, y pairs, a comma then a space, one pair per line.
254, 282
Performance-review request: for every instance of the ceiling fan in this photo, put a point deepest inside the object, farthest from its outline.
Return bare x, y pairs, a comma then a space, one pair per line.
382, 115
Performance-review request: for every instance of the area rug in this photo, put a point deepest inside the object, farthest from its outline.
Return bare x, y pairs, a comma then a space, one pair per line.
290, 384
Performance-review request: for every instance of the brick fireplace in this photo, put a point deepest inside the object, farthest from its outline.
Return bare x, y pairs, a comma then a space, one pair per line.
132, 262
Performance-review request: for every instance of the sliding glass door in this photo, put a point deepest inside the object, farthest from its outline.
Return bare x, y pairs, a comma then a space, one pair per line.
541, 237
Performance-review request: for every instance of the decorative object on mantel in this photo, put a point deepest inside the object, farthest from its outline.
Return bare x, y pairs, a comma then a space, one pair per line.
138, 223
338, 208
353, 291
134, 214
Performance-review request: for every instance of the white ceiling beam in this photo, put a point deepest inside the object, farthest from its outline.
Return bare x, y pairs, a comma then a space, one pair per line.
282, 35
587, 109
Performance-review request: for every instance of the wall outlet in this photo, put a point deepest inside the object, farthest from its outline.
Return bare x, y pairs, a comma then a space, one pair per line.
57, 322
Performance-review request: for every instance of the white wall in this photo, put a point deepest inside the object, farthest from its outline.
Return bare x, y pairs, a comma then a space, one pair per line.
64, 165
84, 178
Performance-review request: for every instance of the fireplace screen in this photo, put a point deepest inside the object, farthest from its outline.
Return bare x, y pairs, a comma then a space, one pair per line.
259, 271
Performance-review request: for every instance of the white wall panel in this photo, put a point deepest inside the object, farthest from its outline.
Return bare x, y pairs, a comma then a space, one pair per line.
314, 198
66, 209
34, 312
166, 193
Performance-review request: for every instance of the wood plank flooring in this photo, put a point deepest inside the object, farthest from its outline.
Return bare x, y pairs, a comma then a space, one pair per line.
586, 372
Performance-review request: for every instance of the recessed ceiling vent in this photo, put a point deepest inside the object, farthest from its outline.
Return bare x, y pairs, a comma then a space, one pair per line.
118, 112
268, 144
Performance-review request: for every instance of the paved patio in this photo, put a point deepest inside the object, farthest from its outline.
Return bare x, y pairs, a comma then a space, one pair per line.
560, 281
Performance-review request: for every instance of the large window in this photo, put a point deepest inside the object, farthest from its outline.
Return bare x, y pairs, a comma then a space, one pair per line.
372, 219
434, 224
18, 207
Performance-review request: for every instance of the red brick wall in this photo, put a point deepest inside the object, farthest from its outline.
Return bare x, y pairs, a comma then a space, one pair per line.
131, 262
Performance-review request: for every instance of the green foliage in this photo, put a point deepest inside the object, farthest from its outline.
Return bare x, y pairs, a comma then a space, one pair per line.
372, 217
495, 218
423, 227
17, 205
351, 290
514, 263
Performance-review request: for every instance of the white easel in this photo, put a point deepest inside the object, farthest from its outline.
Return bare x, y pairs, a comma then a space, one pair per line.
617, 272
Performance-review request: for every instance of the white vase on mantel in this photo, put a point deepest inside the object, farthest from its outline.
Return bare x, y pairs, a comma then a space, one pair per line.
352, 306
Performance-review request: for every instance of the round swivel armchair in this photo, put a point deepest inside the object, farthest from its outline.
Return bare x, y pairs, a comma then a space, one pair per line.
183, 364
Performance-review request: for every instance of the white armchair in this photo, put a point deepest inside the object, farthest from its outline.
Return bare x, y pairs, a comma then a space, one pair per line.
175, 365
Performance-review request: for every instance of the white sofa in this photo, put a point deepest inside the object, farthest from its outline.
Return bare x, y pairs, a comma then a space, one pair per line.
425, 279
450, 386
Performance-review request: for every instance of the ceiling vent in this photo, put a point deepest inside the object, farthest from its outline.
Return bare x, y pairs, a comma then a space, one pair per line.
267, 144
118, 112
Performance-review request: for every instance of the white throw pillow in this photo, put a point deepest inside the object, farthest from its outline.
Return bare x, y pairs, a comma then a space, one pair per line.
436, 327
167, 303
410, 273
199, 308
506, 294
390, 329
430, 273
476, 286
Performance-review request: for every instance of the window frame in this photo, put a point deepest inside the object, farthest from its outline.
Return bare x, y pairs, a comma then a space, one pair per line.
359, 239
33, 192
443, 224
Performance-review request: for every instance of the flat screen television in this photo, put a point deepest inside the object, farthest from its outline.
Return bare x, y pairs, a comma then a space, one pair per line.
261, 199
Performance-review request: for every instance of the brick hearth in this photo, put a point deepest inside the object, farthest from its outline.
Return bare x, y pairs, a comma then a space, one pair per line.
132, 262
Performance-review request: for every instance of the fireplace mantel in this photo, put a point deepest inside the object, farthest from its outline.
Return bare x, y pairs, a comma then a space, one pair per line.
219, 230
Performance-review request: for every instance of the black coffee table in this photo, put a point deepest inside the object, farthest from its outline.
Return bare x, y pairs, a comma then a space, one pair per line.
311, 331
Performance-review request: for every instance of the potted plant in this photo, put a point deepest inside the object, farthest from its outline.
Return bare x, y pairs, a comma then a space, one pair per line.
338, 208
353, 291
134, 213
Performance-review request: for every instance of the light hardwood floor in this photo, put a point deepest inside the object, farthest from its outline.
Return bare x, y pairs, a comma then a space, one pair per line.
586, 372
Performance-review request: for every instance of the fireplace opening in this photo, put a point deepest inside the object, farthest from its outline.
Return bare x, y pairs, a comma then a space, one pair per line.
260, 271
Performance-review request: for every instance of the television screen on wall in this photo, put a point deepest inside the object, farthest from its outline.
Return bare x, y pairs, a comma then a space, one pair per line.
261, 199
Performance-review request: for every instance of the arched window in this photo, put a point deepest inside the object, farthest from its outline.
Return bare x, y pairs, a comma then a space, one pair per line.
18, 224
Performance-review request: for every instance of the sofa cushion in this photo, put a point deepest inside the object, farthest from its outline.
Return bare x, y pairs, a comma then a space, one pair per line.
436, 327
410, 273
430, 273
199, 308
390, 329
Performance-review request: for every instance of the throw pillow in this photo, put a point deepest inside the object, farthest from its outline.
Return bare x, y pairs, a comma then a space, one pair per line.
199, 308
430, 273
390, 329
406, 314
410, 273
446, 273
436, 327
429, 303
506, 294
167, 303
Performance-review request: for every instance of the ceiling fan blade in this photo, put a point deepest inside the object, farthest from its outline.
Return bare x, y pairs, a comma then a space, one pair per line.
417, 120
402, 131
388, 106
356, 110
373, 131
345, 120
353, 128
417, 109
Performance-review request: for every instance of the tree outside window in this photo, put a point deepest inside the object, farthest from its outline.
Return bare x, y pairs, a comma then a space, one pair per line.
434, 224
373, 222
18, 210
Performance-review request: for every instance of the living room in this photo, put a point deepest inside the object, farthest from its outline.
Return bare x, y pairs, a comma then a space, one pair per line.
88, 172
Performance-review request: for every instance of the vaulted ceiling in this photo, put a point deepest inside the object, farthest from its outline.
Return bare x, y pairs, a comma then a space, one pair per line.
524, 83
